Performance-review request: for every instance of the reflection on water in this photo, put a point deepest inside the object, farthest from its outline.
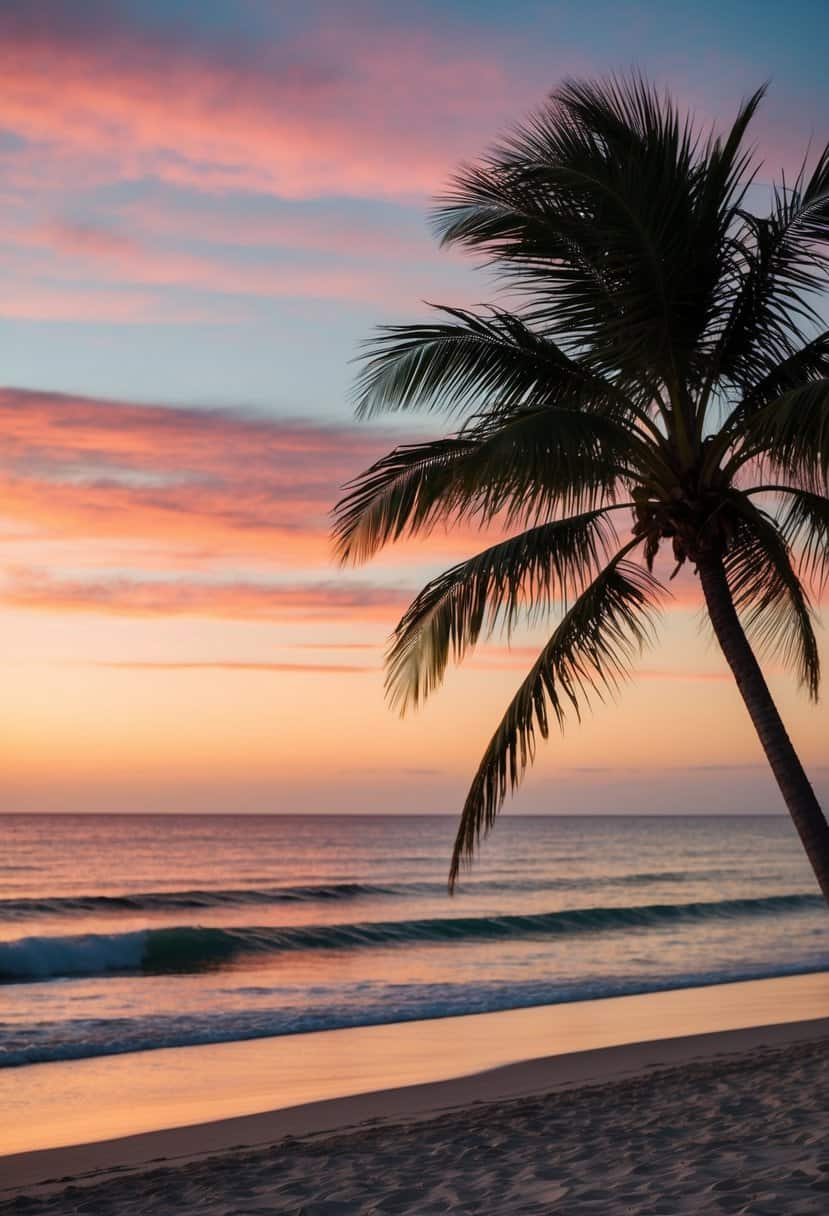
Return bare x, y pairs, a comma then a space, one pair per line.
126, 933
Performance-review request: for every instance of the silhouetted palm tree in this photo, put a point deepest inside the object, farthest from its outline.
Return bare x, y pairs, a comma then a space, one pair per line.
664, 376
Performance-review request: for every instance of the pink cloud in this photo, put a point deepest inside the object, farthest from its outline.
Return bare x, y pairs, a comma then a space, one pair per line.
190, 480
87, 239
88, 484
363, 104
97, 100
194, 485
212, 222
287, 118
31, 300
129, 271
228, 600
87, 251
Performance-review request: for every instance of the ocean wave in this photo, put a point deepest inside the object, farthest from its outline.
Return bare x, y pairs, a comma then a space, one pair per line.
30, 907
191, 948
172, 901
338, 1009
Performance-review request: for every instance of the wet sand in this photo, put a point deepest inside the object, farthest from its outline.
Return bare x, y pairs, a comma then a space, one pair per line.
736, 1121
44, 1106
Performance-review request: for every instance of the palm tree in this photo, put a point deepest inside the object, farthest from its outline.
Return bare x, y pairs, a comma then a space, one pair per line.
660, 373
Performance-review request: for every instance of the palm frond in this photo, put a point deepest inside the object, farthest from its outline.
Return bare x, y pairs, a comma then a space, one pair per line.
721, 190
402, 493
803, 520
805, 365
472, 361
588, 655
526, 465
783, 261
525, 573
728, 169
768, 595
791, 435
607, 211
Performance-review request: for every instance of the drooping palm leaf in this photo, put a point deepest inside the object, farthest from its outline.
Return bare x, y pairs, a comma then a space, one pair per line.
791, 435
769, 596
803, 520
807, 364
406, 491
525, 465
524, 574
784, 262
589, 653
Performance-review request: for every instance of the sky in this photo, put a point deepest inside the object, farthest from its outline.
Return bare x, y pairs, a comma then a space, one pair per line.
205, 206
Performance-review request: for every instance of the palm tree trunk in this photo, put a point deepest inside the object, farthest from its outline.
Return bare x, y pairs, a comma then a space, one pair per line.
797, 792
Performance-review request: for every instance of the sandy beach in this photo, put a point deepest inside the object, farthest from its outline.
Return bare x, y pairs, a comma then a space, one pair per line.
731, 1122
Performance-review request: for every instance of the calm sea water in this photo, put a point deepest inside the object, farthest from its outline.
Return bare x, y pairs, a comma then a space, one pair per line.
120, 933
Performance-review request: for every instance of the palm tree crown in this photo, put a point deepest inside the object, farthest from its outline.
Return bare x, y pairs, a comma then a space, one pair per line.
661, 375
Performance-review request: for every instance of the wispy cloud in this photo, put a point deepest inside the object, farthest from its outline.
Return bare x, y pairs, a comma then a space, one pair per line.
237, 666
105, 115
87, 484
295, 114
128, 484
200, 482
235, 599
119, 261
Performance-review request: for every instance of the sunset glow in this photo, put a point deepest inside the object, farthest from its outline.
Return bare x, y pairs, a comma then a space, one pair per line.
194, 241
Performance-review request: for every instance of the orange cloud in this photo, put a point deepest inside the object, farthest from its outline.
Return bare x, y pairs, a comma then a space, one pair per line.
516, 658
231, 600
195, 481
89, 484
191, 485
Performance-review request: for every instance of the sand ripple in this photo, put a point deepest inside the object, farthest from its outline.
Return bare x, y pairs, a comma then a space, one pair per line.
739, 1134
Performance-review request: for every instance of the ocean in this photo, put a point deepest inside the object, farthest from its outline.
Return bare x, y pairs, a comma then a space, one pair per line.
131, 933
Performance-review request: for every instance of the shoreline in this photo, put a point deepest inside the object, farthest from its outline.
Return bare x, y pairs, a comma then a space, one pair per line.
726, 1122
507, 1072
116, 1096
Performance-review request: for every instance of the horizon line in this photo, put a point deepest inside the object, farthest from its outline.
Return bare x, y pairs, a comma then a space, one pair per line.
396, 814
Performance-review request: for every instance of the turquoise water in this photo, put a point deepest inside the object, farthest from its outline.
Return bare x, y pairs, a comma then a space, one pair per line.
120, 933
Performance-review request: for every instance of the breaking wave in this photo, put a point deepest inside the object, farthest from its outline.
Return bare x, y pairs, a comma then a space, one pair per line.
192, 948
